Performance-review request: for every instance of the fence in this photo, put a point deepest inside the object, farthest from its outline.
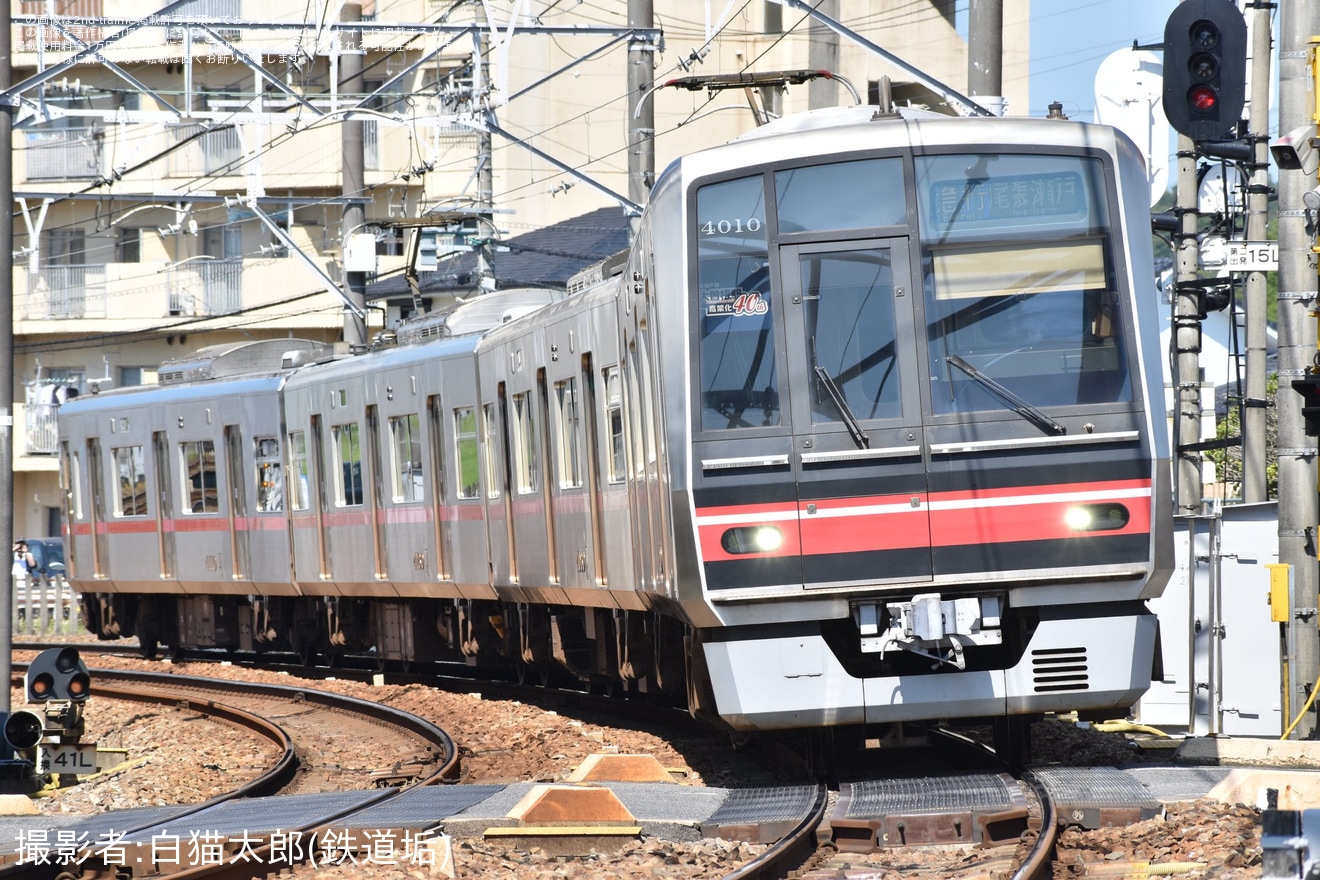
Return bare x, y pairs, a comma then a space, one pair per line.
46, 607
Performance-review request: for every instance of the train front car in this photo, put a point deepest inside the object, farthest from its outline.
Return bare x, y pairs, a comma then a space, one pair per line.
924, 477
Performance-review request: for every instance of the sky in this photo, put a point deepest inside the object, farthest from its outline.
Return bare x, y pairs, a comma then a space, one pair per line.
1069, 39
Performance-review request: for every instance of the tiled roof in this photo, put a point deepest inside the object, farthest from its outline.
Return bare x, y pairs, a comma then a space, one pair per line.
544, 258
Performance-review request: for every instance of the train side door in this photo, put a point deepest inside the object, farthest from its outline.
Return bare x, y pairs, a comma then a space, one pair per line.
238, 512
863, 511
160, 456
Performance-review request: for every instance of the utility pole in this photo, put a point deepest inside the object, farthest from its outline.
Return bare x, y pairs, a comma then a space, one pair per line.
485, 173
1254, 439
823, 54
1299, 505
6, 350
641, 108
354, 217
985, 49
1186, 341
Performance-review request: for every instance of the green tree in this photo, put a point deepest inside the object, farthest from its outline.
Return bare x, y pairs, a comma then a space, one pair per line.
1228, 462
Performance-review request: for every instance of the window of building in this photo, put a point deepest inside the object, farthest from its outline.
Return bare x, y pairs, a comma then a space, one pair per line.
197, 458
389, 243
223, 242
131, 475
131, 376
66, 247
128, 245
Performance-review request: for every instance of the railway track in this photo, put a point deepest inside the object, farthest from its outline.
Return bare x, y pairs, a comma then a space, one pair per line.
395, 747
810, 849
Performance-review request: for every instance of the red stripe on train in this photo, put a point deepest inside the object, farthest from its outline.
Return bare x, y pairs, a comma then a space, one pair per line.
945, 519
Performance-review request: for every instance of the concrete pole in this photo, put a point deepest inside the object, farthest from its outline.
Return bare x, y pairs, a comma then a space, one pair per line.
1186, 342
823, 54
353, 181
1254, 439
1299, 504
641, 127
485, 179
6, 354
985, 48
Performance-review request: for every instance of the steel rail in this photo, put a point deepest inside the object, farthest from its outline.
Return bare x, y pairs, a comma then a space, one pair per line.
1038, 865
791, 850
446, 772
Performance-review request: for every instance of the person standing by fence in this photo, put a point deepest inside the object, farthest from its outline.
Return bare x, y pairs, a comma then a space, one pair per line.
42, 602
25, 564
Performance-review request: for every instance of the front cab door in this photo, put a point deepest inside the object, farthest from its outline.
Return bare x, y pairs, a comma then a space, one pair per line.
863, 511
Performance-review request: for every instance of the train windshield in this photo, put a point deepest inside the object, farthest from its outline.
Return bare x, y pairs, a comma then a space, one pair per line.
739, 380
1019, 283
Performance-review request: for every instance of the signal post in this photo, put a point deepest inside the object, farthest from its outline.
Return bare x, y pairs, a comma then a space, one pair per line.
48, 741
1204, 92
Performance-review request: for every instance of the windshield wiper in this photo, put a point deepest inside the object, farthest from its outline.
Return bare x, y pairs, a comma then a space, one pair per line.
859, 436
1020, 406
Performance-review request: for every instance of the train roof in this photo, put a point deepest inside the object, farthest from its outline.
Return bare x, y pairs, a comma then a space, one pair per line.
844, 130
248, 357
476, 314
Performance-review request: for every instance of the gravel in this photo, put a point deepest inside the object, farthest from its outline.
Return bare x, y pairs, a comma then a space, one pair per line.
505, 741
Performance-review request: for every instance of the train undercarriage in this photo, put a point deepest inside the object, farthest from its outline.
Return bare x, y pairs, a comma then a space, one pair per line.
608, 649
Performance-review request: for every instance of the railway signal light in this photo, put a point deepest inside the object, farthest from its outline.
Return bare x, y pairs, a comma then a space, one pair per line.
23, 730
1309, 388
58, 674
1205, 68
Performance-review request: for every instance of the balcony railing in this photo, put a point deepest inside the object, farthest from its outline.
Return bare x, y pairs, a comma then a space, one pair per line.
213, 152
41, 434
67, 292
63, 153
214, 287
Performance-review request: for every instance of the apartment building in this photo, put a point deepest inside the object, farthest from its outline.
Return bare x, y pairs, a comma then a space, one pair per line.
184, 185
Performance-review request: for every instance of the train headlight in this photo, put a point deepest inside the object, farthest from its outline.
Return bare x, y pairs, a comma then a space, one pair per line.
1077, 518
1096, 517
752, 539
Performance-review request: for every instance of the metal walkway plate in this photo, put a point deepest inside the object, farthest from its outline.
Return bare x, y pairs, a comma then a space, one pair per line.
961, 809
760, 815
1096, 797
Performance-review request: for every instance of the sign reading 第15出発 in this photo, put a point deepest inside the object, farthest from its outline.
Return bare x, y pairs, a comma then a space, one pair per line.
1252, 256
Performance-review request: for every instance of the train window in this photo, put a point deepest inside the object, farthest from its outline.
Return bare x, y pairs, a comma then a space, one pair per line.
197, 459
490, 427
739, 383
1018, 283
348, 464
270, 475
527, 463
844, 195
298, 491
614, 419
567, 428
848, 309
465, 451
131, 474
406, 438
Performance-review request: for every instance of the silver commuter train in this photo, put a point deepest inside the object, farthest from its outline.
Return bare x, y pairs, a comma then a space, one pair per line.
864, 428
